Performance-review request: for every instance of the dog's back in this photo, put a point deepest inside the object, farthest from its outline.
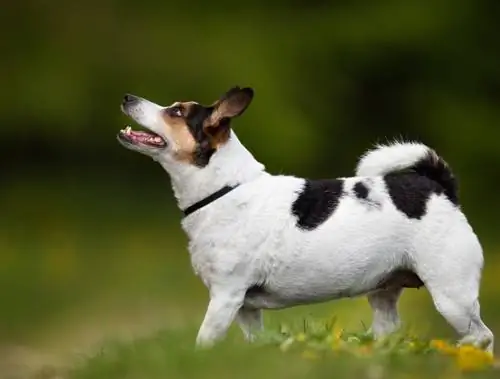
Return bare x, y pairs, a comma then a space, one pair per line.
310, 240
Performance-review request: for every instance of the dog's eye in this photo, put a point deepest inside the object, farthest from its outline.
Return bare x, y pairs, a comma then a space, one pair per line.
175, 111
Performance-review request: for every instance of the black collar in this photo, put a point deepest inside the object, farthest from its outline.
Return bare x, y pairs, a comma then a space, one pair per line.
207, 200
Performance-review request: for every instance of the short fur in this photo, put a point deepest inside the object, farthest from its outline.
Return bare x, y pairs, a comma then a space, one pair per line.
277, 241
316, 202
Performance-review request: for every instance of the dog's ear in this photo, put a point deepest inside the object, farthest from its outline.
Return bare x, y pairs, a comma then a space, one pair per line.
232, 104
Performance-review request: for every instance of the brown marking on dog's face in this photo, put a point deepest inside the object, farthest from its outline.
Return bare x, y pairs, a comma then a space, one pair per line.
182, 141
196, 132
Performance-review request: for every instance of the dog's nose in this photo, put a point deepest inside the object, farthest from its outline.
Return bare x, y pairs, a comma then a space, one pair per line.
129, 99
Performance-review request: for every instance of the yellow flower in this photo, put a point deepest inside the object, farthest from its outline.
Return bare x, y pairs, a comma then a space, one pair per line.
443, 347
301, 337
337, 333
471, 358
311, 355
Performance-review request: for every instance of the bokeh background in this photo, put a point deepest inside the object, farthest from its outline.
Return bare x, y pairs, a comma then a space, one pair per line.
90, 242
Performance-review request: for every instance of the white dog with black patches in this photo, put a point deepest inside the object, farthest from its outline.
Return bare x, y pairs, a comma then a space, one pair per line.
261, 241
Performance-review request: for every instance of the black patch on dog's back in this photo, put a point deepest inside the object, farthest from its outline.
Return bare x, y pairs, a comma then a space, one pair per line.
410, 192
436, 169
361, 190
316, 202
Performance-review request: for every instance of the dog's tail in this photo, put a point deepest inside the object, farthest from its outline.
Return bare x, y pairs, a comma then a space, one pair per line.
409, 156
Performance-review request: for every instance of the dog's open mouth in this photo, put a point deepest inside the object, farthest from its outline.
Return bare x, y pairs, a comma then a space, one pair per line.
137, 137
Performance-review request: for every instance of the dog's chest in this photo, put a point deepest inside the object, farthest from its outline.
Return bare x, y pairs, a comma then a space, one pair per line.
203, 263
227, 247
212, 264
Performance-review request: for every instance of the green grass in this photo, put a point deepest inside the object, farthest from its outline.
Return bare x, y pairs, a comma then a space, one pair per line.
79, 271
315, 350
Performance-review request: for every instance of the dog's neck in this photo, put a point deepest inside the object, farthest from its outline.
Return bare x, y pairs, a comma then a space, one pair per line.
230, 165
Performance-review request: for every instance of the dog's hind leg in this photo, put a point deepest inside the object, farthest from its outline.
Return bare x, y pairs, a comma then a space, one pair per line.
385, 313
458, 303
250, 322
221, 312
452, 276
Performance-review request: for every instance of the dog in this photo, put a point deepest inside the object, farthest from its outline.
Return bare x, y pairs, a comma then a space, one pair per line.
261, 241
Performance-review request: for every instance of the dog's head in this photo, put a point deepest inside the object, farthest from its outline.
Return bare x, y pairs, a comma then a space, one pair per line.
184, 131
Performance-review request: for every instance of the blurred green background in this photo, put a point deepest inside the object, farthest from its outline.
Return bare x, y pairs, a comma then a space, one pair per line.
90, 242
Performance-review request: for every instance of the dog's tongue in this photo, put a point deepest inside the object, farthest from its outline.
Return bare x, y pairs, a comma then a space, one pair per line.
144, 137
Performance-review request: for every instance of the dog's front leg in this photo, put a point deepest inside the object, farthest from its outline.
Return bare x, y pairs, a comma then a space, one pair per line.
220, 314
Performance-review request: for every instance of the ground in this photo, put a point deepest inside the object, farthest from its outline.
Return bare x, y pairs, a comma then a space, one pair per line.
95, 288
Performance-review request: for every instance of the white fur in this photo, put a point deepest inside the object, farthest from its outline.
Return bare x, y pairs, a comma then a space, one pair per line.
391, 157
249, 238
